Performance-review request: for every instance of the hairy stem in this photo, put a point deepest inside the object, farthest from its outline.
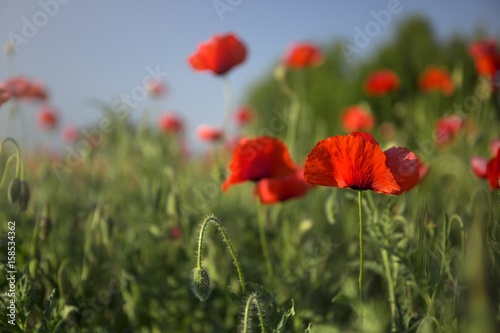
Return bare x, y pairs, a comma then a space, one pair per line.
216, 221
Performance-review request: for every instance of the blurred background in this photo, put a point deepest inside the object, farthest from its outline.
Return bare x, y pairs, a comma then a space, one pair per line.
89, 52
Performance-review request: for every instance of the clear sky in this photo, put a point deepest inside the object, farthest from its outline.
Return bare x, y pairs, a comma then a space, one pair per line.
101, 49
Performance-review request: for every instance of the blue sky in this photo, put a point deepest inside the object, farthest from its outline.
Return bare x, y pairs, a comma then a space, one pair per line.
101, 49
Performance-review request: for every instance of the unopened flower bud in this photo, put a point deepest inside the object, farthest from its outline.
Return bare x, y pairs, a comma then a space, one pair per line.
201, 284
14, 191
24, 196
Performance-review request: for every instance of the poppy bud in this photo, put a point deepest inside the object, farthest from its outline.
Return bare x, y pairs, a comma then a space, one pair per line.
24, 195
201, 284
14, 192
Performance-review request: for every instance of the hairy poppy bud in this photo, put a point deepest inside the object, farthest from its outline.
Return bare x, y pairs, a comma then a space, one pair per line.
14, 192
201, 284
24, 195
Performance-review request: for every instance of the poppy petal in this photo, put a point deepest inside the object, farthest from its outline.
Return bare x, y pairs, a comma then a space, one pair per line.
273, 190
352, 161
479, 166
255, 159
493, 171
404, 167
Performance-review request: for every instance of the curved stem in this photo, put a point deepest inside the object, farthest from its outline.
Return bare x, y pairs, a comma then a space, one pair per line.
7, 165
213, 219
252, 299
19, 166
360, 210
263, 241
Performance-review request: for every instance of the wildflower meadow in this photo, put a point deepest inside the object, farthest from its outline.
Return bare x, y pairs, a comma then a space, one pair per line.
336, 196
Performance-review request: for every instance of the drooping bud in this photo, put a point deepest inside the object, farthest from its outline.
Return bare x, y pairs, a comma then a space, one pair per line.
201, 284
24, 196
14, 191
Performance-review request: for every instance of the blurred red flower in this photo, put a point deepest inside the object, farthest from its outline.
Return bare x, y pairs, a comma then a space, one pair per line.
486, 57
356, 161
70, 133
259, 158
209, 133
21, 87
490, 169
4, 94
435, 78
243, 115
447, 128
356, 118
47, 118
479, 166
156, 88
219, 55
170, 123
303, 55
273, 190
175, 233
381, 82
493, 171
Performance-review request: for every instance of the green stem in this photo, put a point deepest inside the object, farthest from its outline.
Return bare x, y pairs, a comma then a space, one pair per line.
390, 287
252, 299
19, 166
360, 210
294, 110
216, 221
263, 241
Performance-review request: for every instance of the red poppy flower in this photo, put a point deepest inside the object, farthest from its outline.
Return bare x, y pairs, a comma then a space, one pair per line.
243, 115
356, 161
47, 118
493, 171
479, 166
494, 145
170, 123
486, 57
156, 88
303, 55
273, 190
209, 133
4, 94
436, 79
447, 128
219, 55
22, 88
381, 82
259, 158
70, 133
356, 118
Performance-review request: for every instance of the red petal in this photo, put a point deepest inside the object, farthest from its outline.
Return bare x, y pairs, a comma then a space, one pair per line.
273, 190
404, 167
350, 162
479, 166
365, 136
493, 171
255, 159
